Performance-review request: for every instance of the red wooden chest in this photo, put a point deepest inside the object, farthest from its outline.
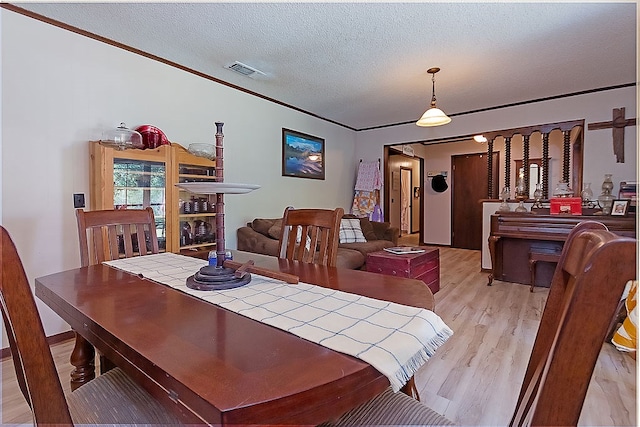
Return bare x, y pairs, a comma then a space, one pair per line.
424, 266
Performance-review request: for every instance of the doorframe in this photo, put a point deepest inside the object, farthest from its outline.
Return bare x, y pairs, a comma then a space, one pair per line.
386, 177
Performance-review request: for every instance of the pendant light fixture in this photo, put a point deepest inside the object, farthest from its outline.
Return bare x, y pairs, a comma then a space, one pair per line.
433, 116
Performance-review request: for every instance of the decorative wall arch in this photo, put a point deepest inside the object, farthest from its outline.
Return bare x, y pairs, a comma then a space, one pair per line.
572, 153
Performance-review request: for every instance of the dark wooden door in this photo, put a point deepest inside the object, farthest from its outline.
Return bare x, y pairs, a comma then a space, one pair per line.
469, 186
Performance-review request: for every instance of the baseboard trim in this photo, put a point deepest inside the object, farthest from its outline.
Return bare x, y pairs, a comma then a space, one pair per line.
54, 339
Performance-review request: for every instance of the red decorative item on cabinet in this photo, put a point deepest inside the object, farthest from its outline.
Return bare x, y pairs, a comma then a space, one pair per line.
152, 137
565, 205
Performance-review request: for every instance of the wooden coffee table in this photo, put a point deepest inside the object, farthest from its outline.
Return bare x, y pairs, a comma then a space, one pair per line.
423, 266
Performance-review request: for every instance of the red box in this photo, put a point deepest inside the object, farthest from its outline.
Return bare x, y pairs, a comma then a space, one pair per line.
566, 205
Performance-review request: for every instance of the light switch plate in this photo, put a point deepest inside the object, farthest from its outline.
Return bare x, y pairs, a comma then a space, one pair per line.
78, 200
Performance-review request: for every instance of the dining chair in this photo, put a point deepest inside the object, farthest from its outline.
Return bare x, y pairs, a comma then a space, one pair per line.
310, 235
115, 233
112, 398
583, 299
109, 234
589, 279
390, 409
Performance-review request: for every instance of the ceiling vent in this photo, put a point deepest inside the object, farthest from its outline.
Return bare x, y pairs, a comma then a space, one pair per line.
245, 70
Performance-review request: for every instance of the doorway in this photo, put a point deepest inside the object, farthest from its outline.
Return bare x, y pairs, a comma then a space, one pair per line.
403, 171
406, 201
469, 187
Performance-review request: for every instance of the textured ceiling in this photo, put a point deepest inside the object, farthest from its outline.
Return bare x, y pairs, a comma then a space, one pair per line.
364, 64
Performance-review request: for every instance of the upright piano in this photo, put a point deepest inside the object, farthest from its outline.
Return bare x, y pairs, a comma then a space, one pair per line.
513, 236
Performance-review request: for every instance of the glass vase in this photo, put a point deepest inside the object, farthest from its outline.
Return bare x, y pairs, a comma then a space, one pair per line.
562, 190
504, 196
521, 207
521, 192
607, 184
605, 200
537, 195
587, 192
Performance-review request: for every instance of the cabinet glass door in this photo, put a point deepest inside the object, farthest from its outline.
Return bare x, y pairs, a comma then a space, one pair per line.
139, 184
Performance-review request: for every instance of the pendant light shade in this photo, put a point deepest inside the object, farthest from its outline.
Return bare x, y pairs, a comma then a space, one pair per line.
433, 116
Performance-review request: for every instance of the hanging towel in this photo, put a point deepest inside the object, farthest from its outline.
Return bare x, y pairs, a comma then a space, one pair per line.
369, 177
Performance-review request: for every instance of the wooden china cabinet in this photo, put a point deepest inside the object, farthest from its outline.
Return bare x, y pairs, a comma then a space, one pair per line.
135, 179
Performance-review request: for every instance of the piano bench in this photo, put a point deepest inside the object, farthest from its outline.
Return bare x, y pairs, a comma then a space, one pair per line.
544, 255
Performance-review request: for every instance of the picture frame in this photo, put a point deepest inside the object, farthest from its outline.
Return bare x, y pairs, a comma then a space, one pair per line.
302, 155
619, 207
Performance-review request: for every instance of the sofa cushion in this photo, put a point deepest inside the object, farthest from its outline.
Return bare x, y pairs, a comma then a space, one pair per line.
367, 229
365, 225
350, 231
349, 258
262, 225
275, 231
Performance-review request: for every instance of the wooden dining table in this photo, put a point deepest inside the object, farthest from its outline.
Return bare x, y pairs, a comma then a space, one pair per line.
211, 365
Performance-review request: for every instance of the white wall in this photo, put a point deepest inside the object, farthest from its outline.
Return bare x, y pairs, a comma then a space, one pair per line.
61, 90
598, 146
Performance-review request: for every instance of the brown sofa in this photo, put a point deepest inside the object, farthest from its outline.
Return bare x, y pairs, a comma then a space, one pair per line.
262, 235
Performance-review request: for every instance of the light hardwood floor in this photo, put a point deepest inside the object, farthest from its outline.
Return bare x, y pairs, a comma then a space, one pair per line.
15, 410
474, 378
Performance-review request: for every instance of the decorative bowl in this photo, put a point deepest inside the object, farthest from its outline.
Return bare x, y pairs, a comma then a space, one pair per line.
203, 150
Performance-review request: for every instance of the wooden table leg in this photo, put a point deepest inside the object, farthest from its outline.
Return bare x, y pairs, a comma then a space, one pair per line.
83, 358
410, 389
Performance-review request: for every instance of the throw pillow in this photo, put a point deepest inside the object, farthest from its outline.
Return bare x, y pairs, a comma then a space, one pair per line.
262, 225
350, 231
367, 229
276, 229
299, 238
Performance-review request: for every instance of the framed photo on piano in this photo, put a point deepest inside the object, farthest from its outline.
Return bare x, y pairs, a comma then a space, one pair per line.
620, 207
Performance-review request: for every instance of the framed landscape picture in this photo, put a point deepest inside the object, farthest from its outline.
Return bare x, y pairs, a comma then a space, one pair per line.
302, 155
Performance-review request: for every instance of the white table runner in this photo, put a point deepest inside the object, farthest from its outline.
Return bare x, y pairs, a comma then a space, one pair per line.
395, 339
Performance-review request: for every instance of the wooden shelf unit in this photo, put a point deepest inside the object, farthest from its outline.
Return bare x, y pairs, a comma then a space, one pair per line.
150, 181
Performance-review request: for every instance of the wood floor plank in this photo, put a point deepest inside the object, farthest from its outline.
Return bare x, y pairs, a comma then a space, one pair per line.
14, 407
475, 377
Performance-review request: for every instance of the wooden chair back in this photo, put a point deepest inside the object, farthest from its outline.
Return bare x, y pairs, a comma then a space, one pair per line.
106, 235
35, 370
585, 290
311, 235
